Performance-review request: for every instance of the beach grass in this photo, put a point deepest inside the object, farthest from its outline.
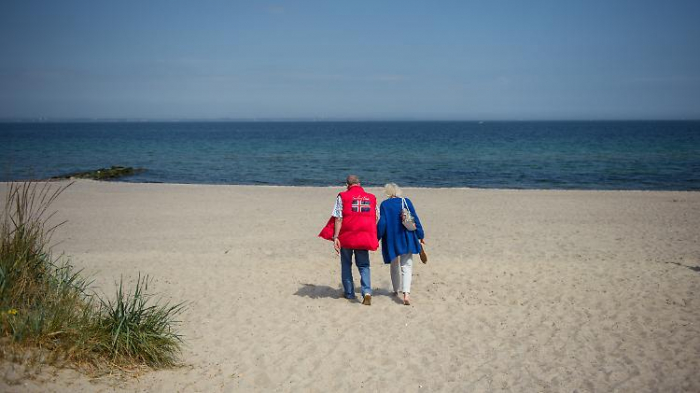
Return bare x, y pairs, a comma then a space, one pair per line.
134, 328
47, 307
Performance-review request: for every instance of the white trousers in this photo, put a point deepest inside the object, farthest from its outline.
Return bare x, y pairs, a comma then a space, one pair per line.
401, 272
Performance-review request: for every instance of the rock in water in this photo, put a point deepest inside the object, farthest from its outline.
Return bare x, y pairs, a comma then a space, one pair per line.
110, 173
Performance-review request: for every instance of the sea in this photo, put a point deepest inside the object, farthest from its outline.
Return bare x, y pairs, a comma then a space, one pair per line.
600, 155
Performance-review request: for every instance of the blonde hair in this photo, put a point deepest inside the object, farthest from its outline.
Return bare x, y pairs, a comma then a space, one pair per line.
392, 190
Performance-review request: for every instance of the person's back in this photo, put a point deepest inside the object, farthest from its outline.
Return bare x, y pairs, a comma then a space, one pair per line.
396, 239
398, 243
358, 231
354, 232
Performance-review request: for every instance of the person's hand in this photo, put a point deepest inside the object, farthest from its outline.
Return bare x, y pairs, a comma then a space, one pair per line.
422, 241
336, 245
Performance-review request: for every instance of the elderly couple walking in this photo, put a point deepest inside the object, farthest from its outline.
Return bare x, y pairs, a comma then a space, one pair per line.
357, 225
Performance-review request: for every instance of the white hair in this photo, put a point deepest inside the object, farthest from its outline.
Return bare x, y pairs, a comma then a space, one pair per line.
392, 190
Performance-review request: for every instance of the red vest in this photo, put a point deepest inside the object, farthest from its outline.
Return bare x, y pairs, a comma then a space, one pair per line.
359, 229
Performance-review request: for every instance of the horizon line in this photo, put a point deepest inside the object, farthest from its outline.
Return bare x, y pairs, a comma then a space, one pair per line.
308, 119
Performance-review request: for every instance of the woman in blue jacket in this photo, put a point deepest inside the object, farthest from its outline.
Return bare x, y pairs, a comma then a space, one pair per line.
398, 243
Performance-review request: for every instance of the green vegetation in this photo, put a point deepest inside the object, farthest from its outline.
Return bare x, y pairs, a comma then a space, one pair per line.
132, 329
102, 173
46, 306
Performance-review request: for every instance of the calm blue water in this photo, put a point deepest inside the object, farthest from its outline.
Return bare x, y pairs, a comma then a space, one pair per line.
559, 155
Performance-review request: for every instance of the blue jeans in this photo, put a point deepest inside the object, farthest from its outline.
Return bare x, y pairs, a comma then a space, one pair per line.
362, 261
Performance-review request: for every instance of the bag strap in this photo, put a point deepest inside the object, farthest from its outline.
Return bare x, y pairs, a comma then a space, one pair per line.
403, 203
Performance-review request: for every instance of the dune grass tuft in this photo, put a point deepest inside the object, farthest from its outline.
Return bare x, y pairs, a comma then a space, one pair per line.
46, 304
136, 329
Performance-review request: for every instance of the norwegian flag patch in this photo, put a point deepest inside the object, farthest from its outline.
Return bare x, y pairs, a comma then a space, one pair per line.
361, 205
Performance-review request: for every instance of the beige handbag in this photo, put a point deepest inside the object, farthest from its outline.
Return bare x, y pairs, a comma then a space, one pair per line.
406, 218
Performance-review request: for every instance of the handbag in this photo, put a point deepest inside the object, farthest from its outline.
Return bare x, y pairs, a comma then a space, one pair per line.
406, 218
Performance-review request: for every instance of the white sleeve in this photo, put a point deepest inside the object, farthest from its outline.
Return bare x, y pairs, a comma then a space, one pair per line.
338, 208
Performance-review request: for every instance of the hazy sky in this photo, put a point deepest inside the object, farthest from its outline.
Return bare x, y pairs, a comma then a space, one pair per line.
490, 59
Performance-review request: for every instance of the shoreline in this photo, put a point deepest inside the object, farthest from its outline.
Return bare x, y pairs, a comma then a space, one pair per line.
376, 187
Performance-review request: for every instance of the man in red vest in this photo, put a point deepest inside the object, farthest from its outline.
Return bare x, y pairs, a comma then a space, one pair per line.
354, 232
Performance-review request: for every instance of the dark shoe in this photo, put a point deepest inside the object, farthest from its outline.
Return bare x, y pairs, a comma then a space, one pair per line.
367, 299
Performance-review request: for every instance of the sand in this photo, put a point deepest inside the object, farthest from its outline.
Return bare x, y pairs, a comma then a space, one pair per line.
525, 291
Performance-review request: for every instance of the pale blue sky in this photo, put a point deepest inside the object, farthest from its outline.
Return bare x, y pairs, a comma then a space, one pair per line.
612, 59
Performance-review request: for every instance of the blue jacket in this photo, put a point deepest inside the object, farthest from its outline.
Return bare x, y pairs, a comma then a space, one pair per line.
396, 239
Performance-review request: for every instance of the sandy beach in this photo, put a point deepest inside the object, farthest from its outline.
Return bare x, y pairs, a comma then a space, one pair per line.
525, 291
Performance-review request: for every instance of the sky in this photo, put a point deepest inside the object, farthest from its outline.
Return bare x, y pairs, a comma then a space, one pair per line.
413, 60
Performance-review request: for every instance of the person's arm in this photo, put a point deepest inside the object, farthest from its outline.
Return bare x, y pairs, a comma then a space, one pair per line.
336, 232
338, 214
381, 225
